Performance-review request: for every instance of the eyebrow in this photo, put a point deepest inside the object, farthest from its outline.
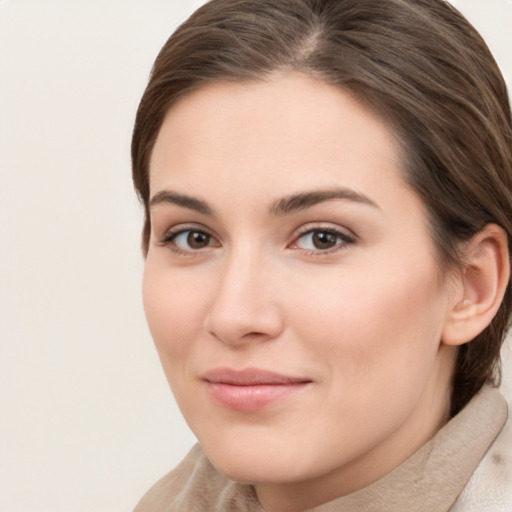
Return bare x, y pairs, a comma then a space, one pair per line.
307, 199
183, 200
283, 206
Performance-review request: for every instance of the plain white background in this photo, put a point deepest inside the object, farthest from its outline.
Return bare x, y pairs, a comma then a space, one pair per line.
87, 423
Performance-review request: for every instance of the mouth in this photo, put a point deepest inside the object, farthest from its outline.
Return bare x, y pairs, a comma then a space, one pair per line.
251, 389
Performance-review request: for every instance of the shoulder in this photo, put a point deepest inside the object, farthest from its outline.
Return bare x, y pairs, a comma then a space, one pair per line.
195, 486
490, 487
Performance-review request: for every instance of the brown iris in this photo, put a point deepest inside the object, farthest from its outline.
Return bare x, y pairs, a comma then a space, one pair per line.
198, 240
323, 240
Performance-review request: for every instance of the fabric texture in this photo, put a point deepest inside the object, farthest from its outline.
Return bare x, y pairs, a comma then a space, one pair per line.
463, 468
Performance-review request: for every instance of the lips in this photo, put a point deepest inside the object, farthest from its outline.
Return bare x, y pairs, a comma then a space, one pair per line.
251, 389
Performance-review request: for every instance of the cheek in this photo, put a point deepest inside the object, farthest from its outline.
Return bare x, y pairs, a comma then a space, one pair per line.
173, 306
371, 327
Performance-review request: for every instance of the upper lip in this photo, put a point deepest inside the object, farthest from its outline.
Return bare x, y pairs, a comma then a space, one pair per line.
250, 377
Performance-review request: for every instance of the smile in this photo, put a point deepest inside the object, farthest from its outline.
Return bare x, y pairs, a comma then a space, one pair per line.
252, 389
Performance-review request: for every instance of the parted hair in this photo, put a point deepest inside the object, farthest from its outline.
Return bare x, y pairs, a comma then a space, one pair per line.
418, 63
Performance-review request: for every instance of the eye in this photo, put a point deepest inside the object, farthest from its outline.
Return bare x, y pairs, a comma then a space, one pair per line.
322, 240
189, 240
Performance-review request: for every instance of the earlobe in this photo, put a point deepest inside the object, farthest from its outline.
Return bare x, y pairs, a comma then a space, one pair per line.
484, 280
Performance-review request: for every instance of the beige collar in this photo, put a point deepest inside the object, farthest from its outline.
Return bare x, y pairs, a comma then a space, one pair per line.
430, 480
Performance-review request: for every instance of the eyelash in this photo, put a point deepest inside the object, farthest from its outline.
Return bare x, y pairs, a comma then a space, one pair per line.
343, 240
169, 239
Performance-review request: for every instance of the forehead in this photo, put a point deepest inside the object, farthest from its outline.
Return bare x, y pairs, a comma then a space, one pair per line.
290, 121
273, 137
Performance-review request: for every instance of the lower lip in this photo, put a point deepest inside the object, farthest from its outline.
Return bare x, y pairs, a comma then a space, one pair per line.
251, 398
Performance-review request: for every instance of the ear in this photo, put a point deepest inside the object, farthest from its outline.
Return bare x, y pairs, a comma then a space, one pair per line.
483, 282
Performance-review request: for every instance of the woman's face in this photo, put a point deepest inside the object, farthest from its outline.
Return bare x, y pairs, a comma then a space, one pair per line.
291, 287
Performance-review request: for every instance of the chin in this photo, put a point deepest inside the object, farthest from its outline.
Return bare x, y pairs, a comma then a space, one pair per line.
258, 471
253, 462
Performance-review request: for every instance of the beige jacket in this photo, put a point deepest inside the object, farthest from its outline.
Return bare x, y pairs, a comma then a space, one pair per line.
462, 469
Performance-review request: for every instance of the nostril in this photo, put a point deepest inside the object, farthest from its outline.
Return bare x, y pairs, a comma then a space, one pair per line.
237, 329
254, 334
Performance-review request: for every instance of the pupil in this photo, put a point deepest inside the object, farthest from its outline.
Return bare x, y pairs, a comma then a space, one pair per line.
197, 240
324, 240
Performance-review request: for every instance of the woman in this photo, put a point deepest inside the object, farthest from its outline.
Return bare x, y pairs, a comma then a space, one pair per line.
328, 190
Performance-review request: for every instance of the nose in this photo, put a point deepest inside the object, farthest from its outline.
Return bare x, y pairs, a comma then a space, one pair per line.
244, 308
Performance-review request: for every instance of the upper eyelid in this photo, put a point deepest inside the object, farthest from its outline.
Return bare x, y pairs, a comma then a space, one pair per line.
180, 228
344, 239
324, 226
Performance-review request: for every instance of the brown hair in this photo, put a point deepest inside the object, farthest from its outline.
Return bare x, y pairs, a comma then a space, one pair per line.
419, 63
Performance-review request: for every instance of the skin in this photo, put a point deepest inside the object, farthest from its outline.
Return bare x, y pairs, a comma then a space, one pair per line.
361, 317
